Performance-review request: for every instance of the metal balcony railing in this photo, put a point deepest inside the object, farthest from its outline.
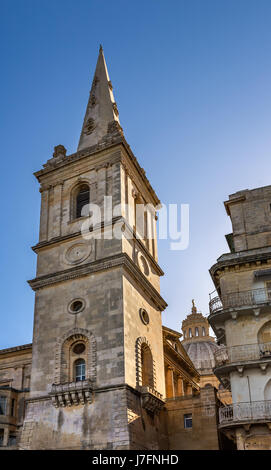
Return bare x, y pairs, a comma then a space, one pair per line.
243, 353
250, 411
240, 299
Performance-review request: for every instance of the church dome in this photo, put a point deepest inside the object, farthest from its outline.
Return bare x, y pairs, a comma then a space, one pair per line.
202, 354
199, 345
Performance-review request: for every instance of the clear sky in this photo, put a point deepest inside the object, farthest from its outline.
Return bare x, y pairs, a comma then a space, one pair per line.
192, 79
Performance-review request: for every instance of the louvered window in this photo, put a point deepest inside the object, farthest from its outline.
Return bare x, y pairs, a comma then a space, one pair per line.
81, 200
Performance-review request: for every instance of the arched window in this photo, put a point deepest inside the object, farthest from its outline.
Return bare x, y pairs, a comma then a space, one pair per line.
264, 334
267, 391
203, 331
81, 199
75, 344
147, 366
190, 333
79, 370
196, 331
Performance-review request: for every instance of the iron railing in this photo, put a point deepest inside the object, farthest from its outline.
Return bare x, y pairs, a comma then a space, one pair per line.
239, 299
243, 353
250, 411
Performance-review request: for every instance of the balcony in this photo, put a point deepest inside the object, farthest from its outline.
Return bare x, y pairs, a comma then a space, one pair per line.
72, 393
152, 400
226, 356
240, 413
250, 298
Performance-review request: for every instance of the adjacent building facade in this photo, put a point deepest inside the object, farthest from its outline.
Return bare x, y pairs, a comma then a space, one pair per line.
240, 315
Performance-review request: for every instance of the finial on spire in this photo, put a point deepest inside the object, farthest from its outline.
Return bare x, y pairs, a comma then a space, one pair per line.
101, 48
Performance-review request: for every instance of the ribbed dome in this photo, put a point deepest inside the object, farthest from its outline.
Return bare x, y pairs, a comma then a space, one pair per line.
201, 354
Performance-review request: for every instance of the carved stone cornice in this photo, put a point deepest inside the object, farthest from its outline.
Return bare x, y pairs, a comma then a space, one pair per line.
178, 362
62, 238
97, 149
16, 348
108, 157
54, 241
120, 260
245, 260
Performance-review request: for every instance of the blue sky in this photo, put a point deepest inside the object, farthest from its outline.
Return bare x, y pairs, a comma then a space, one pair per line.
192, 80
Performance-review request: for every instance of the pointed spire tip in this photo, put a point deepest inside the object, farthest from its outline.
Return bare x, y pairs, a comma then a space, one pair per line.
101, 48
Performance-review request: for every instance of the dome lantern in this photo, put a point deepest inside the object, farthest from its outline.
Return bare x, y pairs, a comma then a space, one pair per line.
199, 345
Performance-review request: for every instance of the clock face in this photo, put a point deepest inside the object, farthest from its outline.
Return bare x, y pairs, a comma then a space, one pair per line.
77, 253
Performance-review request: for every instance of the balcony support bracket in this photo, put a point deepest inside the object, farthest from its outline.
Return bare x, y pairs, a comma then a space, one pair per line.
263, 368
240, 370
246, 427
234, 315
257, 312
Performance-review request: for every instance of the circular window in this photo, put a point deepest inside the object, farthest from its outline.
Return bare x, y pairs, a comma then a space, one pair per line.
143, 264
79, 348
76, 306
144, 316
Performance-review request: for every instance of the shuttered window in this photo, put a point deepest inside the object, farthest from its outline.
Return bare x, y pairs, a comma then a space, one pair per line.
81, 200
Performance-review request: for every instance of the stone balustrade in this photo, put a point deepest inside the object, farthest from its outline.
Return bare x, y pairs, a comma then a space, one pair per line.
71, 393
243, 412
242, 353
151, 399
253, 297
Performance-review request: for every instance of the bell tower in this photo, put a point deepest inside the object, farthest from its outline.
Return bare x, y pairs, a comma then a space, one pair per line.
97, 379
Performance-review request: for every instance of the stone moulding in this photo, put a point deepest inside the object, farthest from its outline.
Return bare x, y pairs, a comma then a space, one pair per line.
102, 226
16, 348
107, 263
234, 261
138, 348
64, 342
72, 393
151, 400
89, 151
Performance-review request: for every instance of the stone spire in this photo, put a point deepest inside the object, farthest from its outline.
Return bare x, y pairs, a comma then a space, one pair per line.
102, 115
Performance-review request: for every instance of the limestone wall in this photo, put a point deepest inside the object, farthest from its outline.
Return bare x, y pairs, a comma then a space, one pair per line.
204, 434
